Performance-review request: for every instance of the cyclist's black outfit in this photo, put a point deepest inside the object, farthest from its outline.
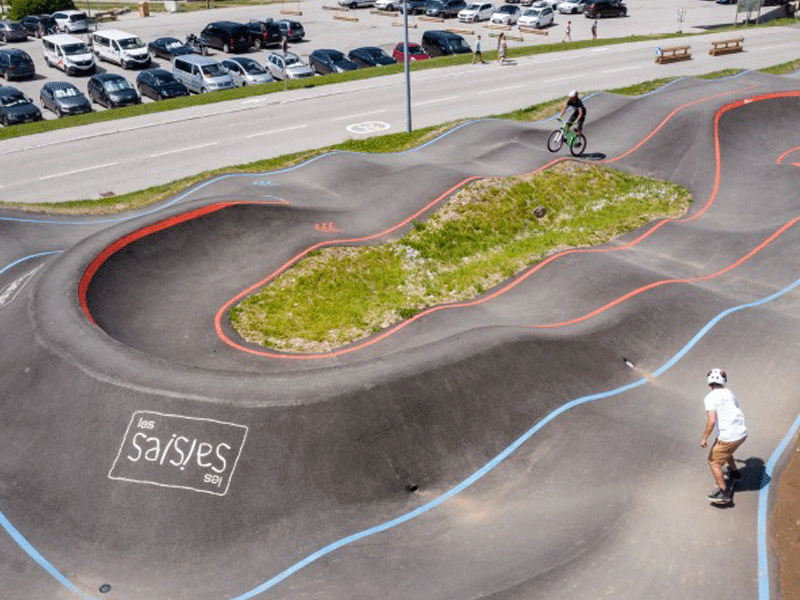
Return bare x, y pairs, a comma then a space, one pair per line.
576, 104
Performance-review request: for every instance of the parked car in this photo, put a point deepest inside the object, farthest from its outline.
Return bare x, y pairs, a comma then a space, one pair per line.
443, 43
356, 3
160, 84
572, 7
415, 7
537, 18
111, 90
370, 56
201, 74
71, 21
264, 33
508, 14
120, 47
605, 8
388, 4
38, 25
445, 8
16, 107
477, 11
330, 61
16, 64
168, 48
246, 71
292, 30
68, 53
226, 36
415, 52
289, 66
12, 31
63, 98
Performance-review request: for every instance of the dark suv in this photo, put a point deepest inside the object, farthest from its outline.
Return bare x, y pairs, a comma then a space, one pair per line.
264, 33
445, 8
226, 36
605, 8
444, 43
36, 25
291, 30
16, 64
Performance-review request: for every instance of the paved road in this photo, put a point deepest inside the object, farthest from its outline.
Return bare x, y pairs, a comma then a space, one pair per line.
502, 450
136, 153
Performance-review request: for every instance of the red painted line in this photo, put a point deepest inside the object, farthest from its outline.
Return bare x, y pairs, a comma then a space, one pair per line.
526, 274
787, 153
112, 249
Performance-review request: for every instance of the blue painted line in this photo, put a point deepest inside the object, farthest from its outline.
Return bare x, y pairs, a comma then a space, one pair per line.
4, 522
26, 546
763, 501
521, 440
29, 257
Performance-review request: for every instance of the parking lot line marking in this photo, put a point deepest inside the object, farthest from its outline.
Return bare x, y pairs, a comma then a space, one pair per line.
372, 112
628, 68
501, 89
183, 149
435, 101
252, 135
78, 171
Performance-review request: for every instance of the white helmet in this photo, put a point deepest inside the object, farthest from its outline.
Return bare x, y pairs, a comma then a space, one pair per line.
573, 94
717, 376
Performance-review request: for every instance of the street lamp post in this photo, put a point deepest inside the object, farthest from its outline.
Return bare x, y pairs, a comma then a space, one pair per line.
405, 62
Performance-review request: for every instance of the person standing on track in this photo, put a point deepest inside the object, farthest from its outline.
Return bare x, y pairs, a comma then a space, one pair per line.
722, 412
579, 111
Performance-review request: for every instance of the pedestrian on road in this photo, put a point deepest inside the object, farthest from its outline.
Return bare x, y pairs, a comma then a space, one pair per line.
476, 55
594, 30
568, 32
285, 45
502, 48
722, 411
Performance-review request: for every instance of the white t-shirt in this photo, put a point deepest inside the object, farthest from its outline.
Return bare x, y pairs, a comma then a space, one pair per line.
730, 419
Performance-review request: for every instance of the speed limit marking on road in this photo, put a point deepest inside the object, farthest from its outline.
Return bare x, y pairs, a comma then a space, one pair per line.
368, 127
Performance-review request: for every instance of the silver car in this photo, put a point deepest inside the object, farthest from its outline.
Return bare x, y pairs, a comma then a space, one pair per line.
246, 71
290, 66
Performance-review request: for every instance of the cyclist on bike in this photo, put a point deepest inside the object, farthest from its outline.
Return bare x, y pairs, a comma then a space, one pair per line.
579, 112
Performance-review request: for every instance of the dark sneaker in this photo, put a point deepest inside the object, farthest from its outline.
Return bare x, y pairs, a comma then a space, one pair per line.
720, 497
734, 475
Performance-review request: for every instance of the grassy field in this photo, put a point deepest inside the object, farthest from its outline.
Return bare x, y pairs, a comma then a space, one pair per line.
485, 234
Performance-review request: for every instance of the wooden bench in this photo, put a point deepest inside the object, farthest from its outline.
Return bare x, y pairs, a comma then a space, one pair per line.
533, 30
341, 17
726, 46
673, 54
461, 30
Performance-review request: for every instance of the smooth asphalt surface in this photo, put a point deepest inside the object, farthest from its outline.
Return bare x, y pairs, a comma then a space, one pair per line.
499, 450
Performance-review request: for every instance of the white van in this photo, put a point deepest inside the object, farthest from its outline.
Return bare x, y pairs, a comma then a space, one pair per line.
120, 47
201, 74
68, 53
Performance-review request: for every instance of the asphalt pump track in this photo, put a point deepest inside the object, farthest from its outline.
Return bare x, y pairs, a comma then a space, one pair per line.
540, 442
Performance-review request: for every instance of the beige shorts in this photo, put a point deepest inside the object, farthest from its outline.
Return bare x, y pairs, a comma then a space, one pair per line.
721, 453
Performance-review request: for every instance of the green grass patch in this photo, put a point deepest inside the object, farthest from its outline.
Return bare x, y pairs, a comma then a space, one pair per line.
783, 68
482, 236
721, 74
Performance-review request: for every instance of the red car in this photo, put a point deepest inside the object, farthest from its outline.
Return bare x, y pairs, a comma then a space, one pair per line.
415, 52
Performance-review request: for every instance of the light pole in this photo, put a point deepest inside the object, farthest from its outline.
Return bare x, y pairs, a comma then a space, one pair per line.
405, 62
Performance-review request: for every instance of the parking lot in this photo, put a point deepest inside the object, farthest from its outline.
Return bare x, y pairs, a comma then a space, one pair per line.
365, 27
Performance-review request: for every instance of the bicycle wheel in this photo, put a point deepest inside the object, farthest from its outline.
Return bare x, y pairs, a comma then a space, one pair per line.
578, 145
555, 141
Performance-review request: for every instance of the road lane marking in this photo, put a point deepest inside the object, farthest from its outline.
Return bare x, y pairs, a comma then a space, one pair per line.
435, 101
15, 287
628, 68
501, 89
94, 168
252, 135
186, 149
372, 112
559, 79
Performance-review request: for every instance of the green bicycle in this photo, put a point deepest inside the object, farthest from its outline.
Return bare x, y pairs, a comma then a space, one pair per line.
575, 141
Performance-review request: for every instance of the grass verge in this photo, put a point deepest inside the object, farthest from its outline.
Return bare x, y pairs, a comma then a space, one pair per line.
482, 236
